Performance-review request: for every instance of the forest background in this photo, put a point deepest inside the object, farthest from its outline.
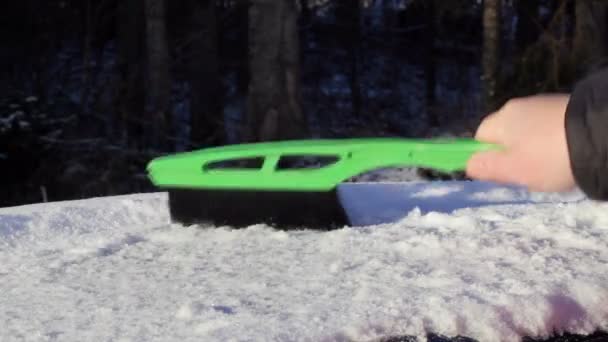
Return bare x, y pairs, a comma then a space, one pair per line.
91, 90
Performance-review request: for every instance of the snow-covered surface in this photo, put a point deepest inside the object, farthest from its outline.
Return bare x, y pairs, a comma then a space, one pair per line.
473, 259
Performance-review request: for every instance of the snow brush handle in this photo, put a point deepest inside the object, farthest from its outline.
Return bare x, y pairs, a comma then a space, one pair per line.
349, 157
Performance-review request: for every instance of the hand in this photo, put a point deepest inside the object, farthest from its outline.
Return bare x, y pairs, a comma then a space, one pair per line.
532, 132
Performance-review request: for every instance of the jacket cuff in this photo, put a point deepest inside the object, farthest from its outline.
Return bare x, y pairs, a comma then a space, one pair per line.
586, 124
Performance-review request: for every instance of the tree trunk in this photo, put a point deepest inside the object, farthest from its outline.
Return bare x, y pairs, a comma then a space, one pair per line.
430, 64
354, 40
527, 29
274, 104
590, 36
349, 21
206, 117
242, 9
491, 52
355, 52
159, 86
305, 11
130, 95
86, 57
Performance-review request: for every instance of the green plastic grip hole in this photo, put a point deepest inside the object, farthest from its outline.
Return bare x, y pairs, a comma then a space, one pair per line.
250, 163
305, 162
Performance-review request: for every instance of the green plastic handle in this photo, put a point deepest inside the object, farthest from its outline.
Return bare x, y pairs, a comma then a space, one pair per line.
352, 157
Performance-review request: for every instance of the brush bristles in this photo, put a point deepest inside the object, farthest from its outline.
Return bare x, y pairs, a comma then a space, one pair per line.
238, 209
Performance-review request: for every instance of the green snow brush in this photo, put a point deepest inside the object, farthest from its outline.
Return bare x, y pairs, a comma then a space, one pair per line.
289, 184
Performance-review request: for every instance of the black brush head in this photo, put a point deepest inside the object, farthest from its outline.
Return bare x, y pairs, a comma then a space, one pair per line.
238, 209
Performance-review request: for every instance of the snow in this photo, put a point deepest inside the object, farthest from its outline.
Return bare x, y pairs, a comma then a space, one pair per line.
8, 121
489, 262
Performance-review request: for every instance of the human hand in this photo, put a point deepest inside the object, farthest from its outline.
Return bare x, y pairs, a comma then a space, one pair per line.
534, 152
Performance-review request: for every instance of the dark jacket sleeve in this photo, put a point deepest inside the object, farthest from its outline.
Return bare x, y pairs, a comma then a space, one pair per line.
586, 126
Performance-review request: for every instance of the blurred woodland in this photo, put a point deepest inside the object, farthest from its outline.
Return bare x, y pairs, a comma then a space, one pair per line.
91, 90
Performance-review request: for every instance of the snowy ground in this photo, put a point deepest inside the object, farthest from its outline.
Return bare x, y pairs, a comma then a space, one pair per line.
471, 259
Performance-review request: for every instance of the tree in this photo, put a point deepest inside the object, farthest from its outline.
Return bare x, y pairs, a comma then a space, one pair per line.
590, 35
206, 123
527, 29
130, 95
491, 51
349, 21
274, 105
430, 64
159, 84
242, 15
